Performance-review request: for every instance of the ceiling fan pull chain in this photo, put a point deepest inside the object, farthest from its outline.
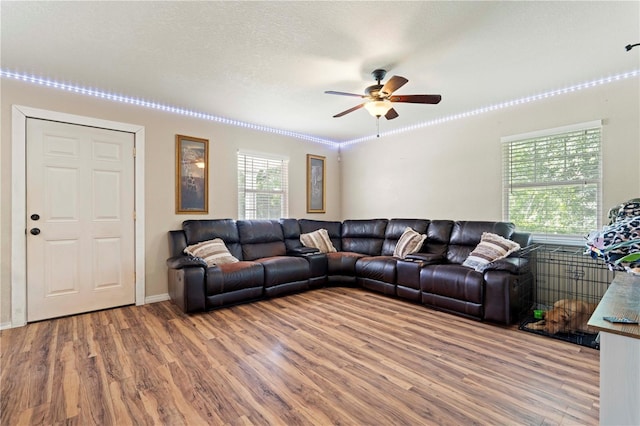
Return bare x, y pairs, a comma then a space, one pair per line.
378, 126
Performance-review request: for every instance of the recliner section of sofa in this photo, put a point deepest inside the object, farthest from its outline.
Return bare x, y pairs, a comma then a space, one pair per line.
263, 242
433, 251
341, 265
317, 261
455, 288
273, 262
196, 287
378, 272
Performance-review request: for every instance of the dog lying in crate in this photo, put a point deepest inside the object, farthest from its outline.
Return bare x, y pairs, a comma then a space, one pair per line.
566, 316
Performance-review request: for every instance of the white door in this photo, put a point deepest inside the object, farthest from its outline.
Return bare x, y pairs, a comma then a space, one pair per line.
80, 219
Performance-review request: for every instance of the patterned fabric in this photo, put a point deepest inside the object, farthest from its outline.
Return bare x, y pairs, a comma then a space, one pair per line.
492, 247
629, 209
318, 239
214, 252
410, 242
616, 241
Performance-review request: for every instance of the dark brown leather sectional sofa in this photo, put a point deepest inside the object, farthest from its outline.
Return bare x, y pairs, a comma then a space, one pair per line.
273, 262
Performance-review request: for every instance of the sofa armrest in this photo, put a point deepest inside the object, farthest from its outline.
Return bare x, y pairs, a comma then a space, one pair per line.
427, 258
187, 287
522, 238
179, 262
514, 265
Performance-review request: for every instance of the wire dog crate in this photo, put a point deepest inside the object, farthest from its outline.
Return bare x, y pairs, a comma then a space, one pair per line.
568, 285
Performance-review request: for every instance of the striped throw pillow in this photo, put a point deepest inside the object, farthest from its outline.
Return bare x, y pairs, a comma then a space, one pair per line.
214, 252
318, 239
410, 242
492, 247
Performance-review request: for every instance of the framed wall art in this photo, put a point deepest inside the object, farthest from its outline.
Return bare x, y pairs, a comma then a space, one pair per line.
316, 184
192, 175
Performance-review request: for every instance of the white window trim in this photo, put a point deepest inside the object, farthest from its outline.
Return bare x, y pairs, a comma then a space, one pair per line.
266, 156
570, 240
553, 131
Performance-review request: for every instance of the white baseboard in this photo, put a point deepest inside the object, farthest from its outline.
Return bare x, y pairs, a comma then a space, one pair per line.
149, 299
157, 298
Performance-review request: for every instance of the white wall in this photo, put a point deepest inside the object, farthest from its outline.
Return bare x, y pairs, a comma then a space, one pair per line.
160, 131
447, 171
453, 170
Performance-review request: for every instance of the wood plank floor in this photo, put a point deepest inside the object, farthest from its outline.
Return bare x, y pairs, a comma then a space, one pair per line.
338, 356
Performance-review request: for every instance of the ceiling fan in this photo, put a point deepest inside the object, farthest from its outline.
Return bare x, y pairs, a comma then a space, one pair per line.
379, 98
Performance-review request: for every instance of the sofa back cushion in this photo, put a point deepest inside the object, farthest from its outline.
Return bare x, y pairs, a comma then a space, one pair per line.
465, 236
291, 233
197, 231
395, 229
438, 235
261, 238
364, 236
334, 229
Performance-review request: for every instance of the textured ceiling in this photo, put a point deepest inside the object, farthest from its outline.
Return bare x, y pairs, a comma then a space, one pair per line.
269, 63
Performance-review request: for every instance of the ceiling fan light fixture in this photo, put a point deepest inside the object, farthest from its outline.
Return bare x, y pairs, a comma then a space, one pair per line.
378, 108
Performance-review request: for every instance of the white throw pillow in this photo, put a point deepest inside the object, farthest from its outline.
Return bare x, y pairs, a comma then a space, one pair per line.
492, 247
318, 239
410, 242
214, 252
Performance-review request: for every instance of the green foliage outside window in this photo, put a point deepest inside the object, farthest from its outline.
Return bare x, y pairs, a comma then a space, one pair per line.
262, 187
269, 193
552, 183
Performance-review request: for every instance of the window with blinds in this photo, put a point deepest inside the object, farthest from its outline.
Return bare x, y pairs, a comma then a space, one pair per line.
262, 186
552, 181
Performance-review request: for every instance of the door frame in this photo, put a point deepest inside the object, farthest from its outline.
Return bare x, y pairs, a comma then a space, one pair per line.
19, 116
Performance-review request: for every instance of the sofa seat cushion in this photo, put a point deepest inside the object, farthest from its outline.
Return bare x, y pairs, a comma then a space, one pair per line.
343, 263
284, 269
233, 277
378, 268
452, 281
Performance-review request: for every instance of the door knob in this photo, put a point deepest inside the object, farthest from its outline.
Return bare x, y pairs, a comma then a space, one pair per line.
35, 216
35, 231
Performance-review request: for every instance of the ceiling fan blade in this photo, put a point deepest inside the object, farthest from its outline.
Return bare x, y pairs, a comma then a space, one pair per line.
393, 84
348, 111
333, 92
417, 99
391, 114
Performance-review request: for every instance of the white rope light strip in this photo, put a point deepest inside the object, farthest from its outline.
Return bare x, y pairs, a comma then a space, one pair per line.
153, 105
499, 106
210, 117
